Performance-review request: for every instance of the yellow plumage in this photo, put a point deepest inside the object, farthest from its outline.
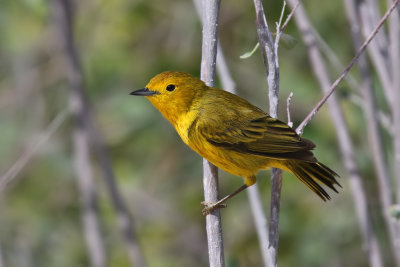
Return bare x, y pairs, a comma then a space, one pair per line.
233, 134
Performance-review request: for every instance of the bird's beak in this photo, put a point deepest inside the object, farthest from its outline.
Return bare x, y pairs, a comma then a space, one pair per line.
144, 92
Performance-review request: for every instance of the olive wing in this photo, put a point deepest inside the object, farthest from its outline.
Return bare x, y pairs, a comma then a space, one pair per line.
261, 135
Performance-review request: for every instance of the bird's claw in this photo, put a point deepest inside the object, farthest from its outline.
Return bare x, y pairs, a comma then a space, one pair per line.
211, 206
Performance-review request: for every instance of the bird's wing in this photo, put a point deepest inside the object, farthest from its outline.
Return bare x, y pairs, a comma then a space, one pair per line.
259, 135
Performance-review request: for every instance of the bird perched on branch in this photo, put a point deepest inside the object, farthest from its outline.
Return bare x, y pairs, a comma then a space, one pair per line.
233, 134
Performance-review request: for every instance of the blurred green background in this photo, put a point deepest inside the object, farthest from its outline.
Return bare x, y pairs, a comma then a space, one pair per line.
122, 44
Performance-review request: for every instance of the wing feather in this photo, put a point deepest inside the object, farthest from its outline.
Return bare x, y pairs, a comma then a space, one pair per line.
247, 129
262, 136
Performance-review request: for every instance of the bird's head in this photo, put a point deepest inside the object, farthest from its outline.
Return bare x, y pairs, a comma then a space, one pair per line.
172, 93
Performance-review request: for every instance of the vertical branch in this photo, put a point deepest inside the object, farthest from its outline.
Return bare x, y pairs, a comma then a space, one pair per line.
395, 55
124, 218
269, 57
223, 72
270, 60
382, 58
261, 224
1, 259
394, 49
369, 107
345, 142
210, 13
84, 134
378, 50
81, 136
209, 43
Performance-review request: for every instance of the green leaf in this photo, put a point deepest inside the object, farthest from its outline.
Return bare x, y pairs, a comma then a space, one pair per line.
249, 54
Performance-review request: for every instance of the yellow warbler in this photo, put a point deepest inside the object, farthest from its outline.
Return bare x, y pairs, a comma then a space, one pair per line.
233, 134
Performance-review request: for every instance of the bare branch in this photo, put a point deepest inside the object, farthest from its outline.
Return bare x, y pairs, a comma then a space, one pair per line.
276, 187
210, 13
81, 137
1, 258
378, 49
124, 218
372, 125
394, 31
290, 123
21, 162
345, 142
270, 60
227, 81
85, 133
347, 69
290, 15
374, 135
261, 224
394, 35
278, 31
369, 107
223, 72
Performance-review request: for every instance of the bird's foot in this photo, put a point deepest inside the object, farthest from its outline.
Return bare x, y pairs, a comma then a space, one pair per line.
211, 206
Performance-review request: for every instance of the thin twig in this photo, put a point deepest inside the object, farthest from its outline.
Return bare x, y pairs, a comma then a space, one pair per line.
21, 162
278, 31
346, 70
289, 17
210, 13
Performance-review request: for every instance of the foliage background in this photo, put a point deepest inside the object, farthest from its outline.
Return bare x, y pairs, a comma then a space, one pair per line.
122, 44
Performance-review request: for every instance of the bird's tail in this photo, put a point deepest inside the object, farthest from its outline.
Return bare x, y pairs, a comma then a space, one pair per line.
313, 174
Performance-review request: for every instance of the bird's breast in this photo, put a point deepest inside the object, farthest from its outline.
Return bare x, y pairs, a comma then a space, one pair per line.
183, 125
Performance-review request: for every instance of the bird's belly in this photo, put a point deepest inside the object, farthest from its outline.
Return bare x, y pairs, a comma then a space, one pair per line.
236, 163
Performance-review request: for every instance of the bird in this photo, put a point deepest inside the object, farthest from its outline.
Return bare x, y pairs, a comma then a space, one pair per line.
233, 134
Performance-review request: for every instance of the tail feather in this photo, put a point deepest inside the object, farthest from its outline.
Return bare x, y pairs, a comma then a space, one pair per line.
313, 174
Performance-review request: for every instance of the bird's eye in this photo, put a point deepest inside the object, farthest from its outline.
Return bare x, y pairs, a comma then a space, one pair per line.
170, 87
